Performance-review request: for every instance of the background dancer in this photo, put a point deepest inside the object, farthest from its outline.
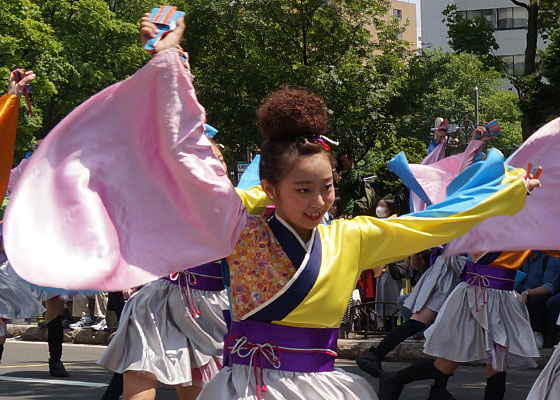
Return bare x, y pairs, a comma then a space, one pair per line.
172, 330
434, 286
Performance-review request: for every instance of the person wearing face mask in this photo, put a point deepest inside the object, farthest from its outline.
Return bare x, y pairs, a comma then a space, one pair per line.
386, 208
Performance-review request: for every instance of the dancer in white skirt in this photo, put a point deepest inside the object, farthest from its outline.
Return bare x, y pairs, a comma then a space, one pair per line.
432, 289
172, 333
19, 299
547, 385
425, 302
483, 319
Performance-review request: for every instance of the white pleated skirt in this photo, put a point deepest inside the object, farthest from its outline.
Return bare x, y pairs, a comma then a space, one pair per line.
436, 284
498, 332
387, 289
547, 385
158, 336
18, 299
238, 382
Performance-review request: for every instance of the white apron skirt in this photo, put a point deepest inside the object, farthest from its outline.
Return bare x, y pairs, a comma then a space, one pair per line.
238, 382
387, 289
436, 284
498, 332
158, 335
19, 299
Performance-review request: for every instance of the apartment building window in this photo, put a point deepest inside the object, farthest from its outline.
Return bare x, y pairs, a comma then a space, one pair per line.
501, 18
397, 14
512, 18
489, 14
514, 64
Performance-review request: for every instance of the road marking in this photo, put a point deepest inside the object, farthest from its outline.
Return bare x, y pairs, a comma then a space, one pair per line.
52, 381
41, 365
13, 341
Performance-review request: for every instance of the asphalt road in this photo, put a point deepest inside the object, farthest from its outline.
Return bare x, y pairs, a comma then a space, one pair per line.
24, 375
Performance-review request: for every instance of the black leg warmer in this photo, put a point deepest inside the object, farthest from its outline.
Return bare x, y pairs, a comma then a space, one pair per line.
495, 387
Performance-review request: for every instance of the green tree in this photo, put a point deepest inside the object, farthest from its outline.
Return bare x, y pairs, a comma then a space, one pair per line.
76, 48
243, 50
440, 84
543, 19
472, 36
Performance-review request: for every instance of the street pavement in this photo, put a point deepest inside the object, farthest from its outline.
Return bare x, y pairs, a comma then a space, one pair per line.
24, 375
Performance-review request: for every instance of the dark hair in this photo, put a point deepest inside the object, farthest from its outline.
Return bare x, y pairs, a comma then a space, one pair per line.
348, 154
402, 202
338, 204
291, 121
390, 201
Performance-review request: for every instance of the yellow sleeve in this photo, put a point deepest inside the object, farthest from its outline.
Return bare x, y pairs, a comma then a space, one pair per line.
9, 106
380, 242
254, 199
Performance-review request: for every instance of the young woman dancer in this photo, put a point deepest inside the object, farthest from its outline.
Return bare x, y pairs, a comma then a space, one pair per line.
281, 271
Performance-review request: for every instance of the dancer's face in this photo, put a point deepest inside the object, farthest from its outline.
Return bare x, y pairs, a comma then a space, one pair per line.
304, 194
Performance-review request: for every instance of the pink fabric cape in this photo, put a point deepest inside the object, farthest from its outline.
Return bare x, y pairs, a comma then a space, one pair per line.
436, 172
124, 190
535, 227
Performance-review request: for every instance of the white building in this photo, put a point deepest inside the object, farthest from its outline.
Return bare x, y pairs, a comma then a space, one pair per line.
508, 20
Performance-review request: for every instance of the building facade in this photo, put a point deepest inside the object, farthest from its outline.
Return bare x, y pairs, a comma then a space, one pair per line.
508, 20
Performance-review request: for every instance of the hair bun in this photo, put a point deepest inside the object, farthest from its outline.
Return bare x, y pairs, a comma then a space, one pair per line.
292, 112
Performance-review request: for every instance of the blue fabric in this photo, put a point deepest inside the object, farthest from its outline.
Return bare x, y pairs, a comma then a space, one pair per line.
210, 131
475, 184
520, 277
251, 176
399, 166
431, 146
539, 275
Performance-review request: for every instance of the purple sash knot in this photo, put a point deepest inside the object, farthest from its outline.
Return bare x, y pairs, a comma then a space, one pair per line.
204, 277
487, 276
286, 348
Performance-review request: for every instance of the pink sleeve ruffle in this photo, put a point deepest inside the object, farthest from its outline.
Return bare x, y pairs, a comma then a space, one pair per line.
124, 190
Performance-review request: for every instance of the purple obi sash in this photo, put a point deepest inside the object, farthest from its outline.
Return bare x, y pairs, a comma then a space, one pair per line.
204, 277
280, 347
488, 276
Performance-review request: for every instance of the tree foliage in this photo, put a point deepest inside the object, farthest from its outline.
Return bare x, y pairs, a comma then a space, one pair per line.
476, 37
76, 48
472, 36
242, 51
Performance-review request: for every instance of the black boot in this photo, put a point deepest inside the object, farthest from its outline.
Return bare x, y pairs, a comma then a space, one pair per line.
495, 387
1, 351
115, 388
371, 361
440, 393
392, 383
55, 337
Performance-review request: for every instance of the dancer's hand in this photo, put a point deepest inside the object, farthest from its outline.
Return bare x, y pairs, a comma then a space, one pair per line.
148, 30
440, 135
480, 134
18, 88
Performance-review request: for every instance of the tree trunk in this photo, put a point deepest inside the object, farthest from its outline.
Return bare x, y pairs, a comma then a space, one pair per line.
532, 35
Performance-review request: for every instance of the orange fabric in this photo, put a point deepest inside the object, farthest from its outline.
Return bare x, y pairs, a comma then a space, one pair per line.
511, 259
9, 106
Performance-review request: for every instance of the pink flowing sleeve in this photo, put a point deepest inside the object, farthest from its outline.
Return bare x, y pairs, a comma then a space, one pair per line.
435, 176
15, 173
124, 190
536, 226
